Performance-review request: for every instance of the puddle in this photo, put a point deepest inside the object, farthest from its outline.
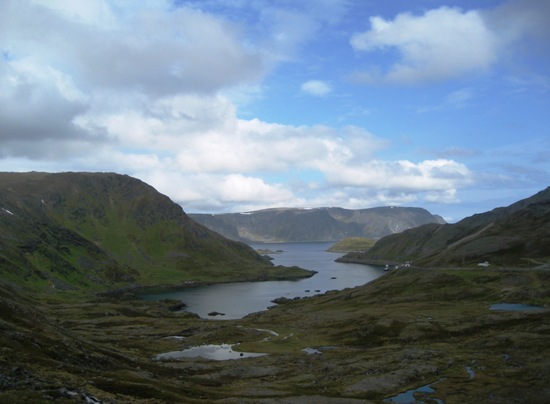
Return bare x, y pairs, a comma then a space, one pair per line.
213, 352
514, 307
470, 372
311, 351
408, 396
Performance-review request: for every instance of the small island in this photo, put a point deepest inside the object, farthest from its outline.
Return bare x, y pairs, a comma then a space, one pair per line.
352, 244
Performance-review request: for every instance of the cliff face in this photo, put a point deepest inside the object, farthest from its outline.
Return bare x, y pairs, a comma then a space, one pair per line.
74, 230
320, 224
515, 235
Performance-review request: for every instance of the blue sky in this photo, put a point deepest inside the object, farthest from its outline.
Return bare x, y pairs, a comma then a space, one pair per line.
229, 106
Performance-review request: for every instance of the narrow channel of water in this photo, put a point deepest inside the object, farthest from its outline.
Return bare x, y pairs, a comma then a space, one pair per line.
514, 307
235, 300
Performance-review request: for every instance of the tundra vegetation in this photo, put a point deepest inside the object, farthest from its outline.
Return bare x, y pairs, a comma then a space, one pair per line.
351, 244
71, 331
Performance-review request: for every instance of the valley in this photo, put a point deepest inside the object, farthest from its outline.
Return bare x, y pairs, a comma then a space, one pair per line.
404, 330
76, 250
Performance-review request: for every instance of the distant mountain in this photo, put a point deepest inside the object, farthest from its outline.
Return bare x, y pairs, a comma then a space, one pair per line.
99, 230
517, 235
315, 225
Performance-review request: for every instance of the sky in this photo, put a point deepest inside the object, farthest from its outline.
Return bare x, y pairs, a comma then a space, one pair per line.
239, 105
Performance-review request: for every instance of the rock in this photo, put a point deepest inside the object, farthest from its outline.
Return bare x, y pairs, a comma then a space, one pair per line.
281, 300
216, 313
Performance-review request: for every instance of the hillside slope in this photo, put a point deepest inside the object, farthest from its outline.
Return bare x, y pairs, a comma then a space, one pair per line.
516, 235
89, 230
319, 224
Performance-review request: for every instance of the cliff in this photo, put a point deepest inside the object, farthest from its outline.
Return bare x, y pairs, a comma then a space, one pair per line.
315, 225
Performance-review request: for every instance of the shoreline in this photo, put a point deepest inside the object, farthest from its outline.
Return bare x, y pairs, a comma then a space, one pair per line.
138, 290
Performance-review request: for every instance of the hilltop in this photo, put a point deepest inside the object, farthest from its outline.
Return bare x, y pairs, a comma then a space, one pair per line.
517, 235
100, 231
280, 225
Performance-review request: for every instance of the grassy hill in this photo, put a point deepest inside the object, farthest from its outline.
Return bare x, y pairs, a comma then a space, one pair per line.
517, 235
404, 331
99, 231
352, 244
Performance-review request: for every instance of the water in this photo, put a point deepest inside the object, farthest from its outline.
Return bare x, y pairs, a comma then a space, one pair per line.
236, 300
408, 396
213, 352
514, 307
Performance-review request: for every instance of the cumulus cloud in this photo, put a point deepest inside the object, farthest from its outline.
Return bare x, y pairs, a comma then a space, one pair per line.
446, 43
169, 52
440, 44
316, 88
137, 88
402, 175
220, 162
71, 62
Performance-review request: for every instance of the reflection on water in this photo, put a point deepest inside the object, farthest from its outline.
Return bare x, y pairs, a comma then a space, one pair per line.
236, 300
214, 352
311, 351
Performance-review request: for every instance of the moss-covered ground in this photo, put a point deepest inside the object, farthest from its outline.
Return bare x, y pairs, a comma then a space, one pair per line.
407, 329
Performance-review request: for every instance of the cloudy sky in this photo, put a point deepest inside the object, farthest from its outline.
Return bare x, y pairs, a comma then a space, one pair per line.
236, 105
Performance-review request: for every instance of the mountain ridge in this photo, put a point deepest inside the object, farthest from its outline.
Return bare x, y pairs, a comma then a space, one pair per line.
324, 224
71, 231
513, 235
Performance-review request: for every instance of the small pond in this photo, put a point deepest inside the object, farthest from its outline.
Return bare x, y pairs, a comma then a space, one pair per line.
514, 307
213, 352
408, 397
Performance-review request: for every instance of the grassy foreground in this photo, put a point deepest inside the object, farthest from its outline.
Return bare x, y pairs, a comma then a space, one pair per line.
408, 329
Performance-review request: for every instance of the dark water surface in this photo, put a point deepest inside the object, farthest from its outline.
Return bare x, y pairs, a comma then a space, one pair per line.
236, 300
514, 307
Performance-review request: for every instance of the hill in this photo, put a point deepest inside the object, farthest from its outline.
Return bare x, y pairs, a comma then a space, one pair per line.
352, 244
433, 334
98, 231
517, 235
282, 225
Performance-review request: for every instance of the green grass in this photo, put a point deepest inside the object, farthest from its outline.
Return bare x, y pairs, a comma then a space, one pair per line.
352, 244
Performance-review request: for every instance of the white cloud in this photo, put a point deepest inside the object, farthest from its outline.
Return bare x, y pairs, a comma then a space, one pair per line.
404, 175
441, 44
239, 188
74, 72
119, 86
316, 88
97, 12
